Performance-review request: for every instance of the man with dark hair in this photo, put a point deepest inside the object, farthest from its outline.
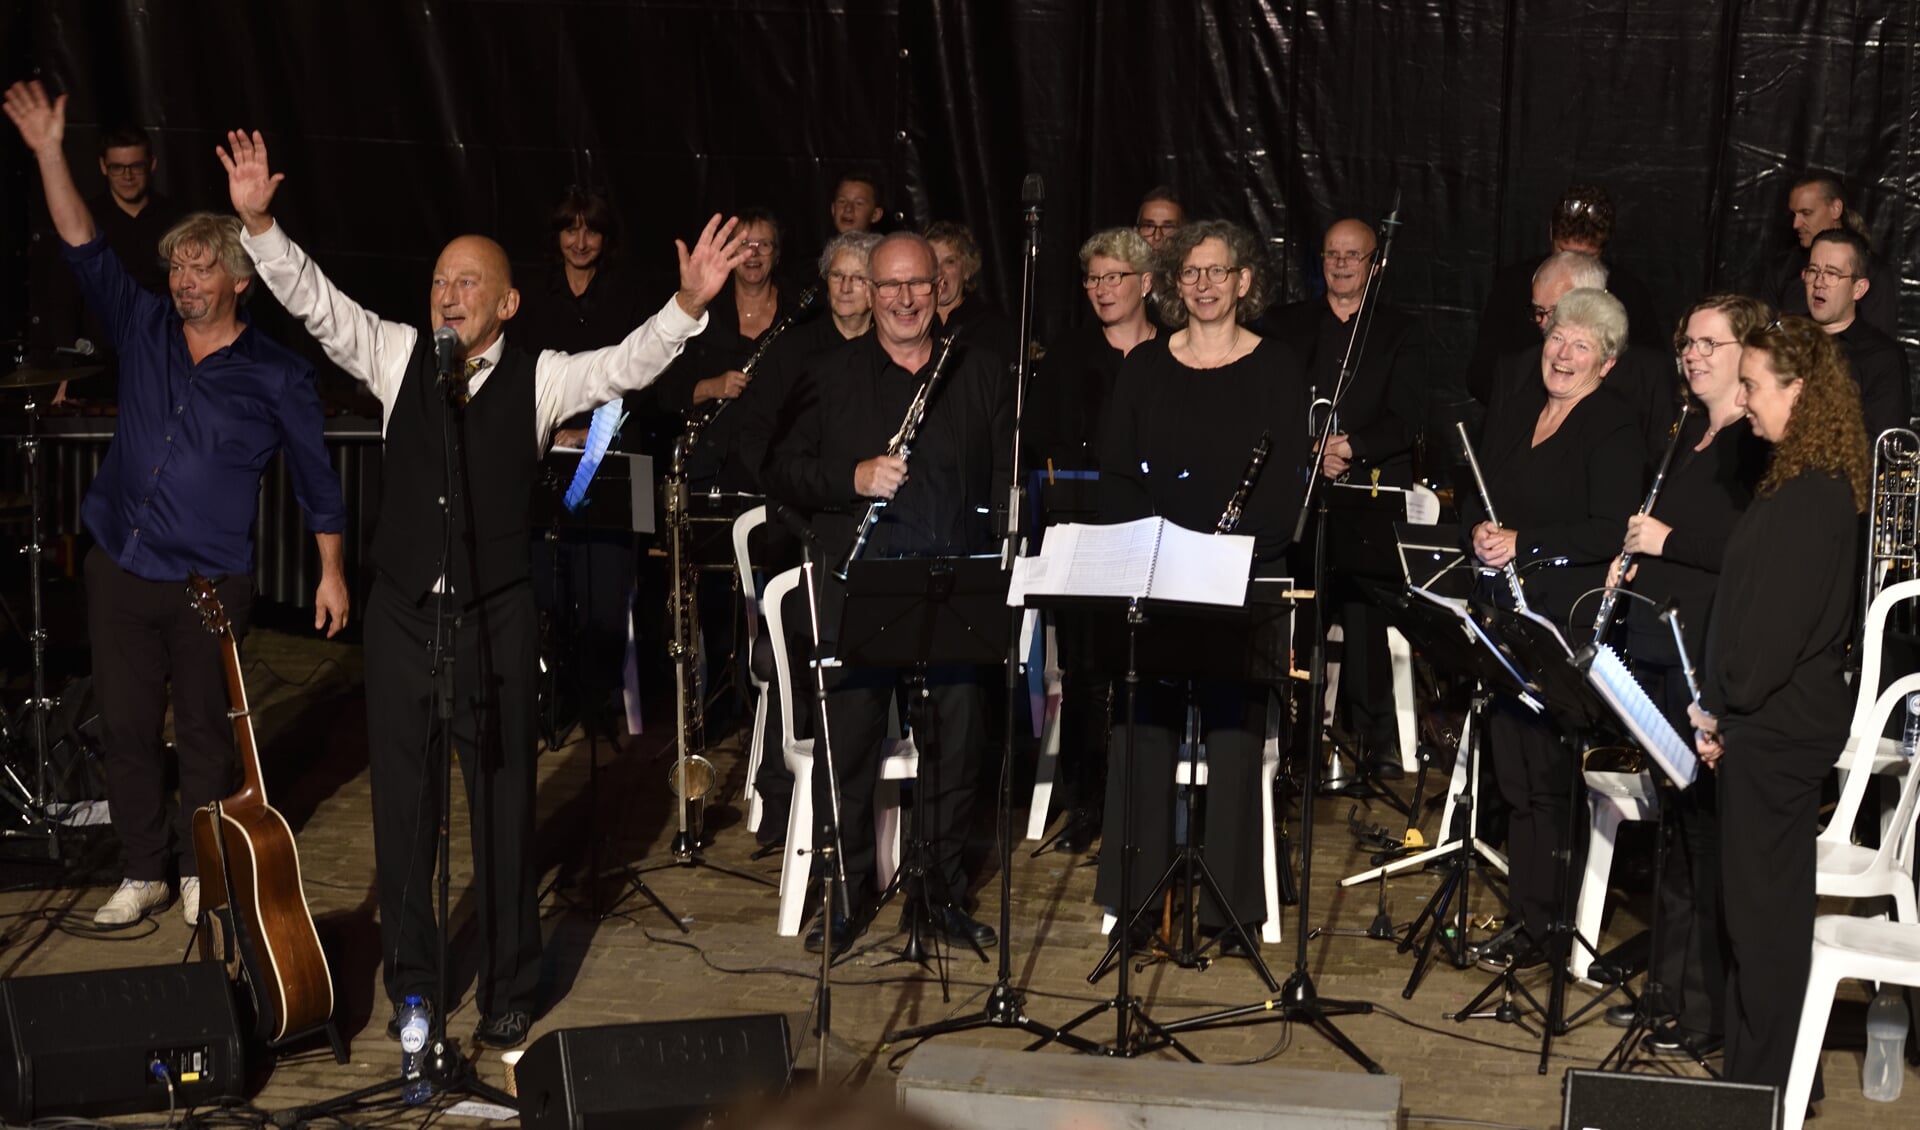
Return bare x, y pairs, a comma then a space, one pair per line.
856, 202
206, 402
1582, 221
831, 462
1159, 216
1836, 280
1818, 204
132, 217
499, 405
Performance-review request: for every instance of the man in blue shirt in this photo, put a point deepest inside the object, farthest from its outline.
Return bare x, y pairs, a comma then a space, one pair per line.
205, 402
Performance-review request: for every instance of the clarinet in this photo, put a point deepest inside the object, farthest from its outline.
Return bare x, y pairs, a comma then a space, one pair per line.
1603, 619
801, 306
902, 445
1230, 517
1486, 500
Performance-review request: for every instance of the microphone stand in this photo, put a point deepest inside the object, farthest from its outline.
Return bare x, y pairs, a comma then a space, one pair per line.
1298, 999
1005, 1006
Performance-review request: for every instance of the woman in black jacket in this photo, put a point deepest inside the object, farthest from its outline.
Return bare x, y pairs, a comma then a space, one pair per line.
1776, 702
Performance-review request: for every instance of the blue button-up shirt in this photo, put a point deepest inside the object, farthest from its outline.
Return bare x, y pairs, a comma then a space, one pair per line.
179, 488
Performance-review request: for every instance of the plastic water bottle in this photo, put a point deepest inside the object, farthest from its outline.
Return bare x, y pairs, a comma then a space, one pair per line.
1886, 1044
1910, 737
414, 1030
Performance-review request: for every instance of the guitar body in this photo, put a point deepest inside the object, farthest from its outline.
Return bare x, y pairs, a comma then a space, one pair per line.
250, 878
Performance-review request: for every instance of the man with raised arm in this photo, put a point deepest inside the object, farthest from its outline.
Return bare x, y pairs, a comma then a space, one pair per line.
499, 407
205, 401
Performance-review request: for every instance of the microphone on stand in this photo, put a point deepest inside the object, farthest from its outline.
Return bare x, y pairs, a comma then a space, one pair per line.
446, 361
794, 521
1033, 192
1388, 227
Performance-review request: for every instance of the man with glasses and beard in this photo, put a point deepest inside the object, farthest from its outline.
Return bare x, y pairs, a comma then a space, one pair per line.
832, 462
1835, 281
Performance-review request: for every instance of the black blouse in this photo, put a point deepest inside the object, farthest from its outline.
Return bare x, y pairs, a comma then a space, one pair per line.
1781, 618
1567, 497
1067, 398
1176, 442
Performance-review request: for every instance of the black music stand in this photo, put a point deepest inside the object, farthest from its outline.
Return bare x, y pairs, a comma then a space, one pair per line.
1560, 684
916, 613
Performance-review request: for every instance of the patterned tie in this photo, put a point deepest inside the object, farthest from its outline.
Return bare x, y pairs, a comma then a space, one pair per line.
474, 365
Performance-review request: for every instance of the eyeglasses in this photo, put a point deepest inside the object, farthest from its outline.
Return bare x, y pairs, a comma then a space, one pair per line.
753, 245
843, 279
1339, 257
890, 288
1191, 276
1149, 228
1828, 274
1542, 313
126, 172
1705, 345
1109, 280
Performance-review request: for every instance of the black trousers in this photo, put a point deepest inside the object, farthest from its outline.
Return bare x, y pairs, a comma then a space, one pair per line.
1769, 815
1086, 713
1690, 962
493, 733
1233, 724
1534, 772
1366, 680
147, 639
950, 733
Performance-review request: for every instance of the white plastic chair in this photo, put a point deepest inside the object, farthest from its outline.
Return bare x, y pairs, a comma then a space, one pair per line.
1862, 736
1844, 947
1846, 869
743, 527
1612, 800
1047, 766
898, 764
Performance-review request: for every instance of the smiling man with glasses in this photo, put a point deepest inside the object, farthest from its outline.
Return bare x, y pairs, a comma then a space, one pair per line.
1835, 281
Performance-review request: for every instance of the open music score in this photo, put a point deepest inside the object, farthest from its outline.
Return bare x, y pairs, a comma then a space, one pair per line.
1644, 721
1147, 559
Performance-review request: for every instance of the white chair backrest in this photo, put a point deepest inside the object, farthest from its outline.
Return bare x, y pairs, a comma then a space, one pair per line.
1872, 640
1854, 788
771, 600
743, 526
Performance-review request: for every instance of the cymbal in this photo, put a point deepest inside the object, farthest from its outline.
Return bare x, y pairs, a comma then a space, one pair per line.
25, 377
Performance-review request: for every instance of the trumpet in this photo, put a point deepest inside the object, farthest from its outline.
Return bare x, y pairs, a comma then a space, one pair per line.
1486, 500
1230, 518
701, 421
1603, 619
901, 445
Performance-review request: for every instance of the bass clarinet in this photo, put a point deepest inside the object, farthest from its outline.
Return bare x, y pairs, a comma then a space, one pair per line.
901, 445
1486, 500
1603, 619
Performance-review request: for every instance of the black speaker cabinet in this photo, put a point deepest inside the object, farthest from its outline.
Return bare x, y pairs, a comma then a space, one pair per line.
1606, 1100
86, 1043
662, 1074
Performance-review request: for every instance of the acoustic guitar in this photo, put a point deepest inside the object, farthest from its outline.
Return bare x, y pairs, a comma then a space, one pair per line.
250, 874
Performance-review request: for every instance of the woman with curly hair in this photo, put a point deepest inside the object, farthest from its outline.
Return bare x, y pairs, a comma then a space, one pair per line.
1775, 701
1187, 410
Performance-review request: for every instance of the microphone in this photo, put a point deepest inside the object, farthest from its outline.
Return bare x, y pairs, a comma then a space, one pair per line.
793, 520
1033, 191
1388, 227
446, 346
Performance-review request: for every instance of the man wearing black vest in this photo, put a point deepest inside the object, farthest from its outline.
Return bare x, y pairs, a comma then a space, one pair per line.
505, 400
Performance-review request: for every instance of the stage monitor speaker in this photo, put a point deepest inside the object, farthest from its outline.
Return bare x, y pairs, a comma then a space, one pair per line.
1607, 1100
662, 1074
86, 1043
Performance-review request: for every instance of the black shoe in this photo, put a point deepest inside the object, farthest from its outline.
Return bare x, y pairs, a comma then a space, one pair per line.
1384, 768
504, 1030
845, 930
1674, 1042
393, 1025
956, 927
1083, 826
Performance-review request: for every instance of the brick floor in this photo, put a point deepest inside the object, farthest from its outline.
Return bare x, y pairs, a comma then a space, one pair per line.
637, 966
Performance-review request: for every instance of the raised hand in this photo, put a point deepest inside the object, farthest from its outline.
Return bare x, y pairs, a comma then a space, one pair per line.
249, 184
42, 123
705, 269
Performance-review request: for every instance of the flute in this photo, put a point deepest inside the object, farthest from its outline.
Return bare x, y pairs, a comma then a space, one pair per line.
1486, 500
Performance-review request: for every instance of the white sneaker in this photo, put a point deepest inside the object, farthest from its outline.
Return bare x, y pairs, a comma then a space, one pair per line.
131, 902
190, 899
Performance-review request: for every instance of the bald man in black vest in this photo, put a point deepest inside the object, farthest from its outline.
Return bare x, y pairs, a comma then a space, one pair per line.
503, 406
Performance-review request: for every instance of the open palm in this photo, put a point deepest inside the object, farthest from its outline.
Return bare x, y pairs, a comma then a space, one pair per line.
249, 184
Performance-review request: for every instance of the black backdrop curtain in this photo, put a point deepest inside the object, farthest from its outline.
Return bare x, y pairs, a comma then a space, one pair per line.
403, 122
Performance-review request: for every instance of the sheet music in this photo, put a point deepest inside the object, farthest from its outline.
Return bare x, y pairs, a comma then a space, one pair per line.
1472, 629
1149, 558
1644, 721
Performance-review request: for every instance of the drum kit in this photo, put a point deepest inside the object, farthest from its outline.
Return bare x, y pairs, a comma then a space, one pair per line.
30, 783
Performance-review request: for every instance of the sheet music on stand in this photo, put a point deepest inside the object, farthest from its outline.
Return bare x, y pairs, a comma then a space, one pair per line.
1644, 721
1460, 610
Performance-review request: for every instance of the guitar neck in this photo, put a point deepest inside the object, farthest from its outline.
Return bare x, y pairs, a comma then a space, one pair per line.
253, 788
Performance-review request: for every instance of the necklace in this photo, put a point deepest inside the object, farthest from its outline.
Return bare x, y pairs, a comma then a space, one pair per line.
1200, 362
